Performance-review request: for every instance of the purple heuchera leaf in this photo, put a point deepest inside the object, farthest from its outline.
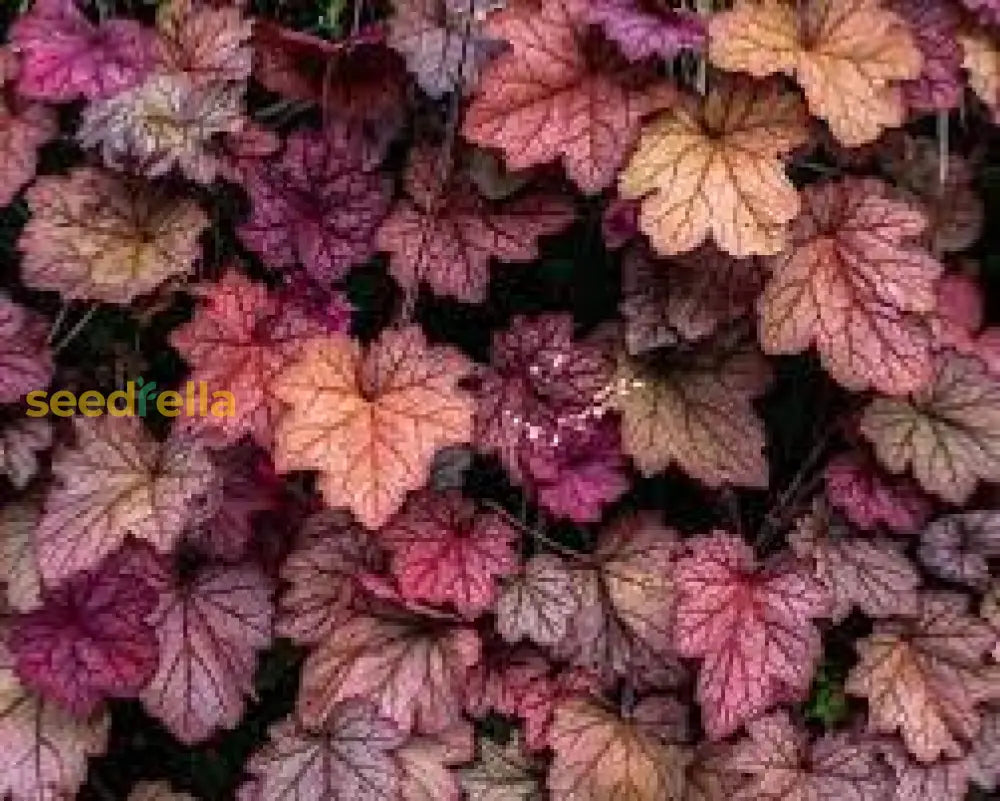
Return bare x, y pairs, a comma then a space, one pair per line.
642, 29
90, 639
319, 205
934, 24
25, 359
318, 301
869, 497
579, 474
65, 56
988, 10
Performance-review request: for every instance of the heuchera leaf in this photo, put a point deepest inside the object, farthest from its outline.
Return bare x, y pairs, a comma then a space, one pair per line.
502, 773
869, 497
784, 766
370, 421
988, 10
559, 92
873, 575
847, 55
985, 757
599, 756
445, 234
210, 627
117, 480
412, 670
751, 628
537, 603
687, 298
541, 382
442, 552
64, 55
712, 169
98, 236
319, 206
348, 758
425, 764
89, 639
958, 547
982, 62
948, 433
697, 414
20, 443
643, 30
934, 26
25, 357
18, 555
852, 283
24, 127
945, 780
45, 749
240, 340
926, 676
204, 44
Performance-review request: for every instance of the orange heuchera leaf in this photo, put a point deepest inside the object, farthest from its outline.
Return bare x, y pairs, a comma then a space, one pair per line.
982, 61
99, 236
926, 676
751, 628
599, 756
853, 283
848, 56
948, 433
370, 421
696, 413
446, 234
412, 670
559, 91
117, 480
784, 766
712, 169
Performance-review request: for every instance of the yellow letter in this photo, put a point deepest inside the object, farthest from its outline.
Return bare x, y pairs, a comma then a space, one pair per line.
36, 400
227, 402
169, 402
63, 402
91, 404
129, 395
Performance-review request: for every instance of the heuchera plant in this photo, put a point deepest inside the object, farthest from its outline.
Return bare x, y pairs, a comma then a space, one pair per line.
615, 400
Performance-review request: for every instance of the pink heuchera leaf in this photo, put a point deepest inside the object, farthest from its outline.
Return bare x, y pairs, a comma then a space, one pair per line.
445, 233
445, 553
751, 628
870, 498
853, 283
348, 758
988, 10
320, 205
784, 766
642, 29
945, 780
537, 603
425, 764
959, 321
45, 749
22, 583
204, 44
581, 474
926, 676
25, 357
958, 547
540, 383
24, 127
210, 627
934, 25
117, 480
89, 639
64, 55
240, 339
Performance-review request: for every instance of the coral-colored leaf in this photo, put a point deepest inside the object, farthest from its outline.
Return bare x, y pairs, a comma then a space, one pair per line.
869, 497
848, 56
445, 234
599, 756
925, 676
18, 555
696, 413
370, 421
99, 236
538, 603
948, 433
20, 443
45, 749
89, 639
65, 55
502, 773
558, 92
934, 26
784, 766
25, 357
852, 283
958, 547
319, 205
643, 30
210, 627
873, 575
348, 758
711, 169
117, 480
204, 44
412, 671
751, 629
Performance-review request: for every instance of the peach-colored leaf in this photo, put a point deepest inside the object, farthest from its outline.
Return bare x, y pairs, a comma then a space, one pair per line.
712, 169
370, 421
848, 56
982, 62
